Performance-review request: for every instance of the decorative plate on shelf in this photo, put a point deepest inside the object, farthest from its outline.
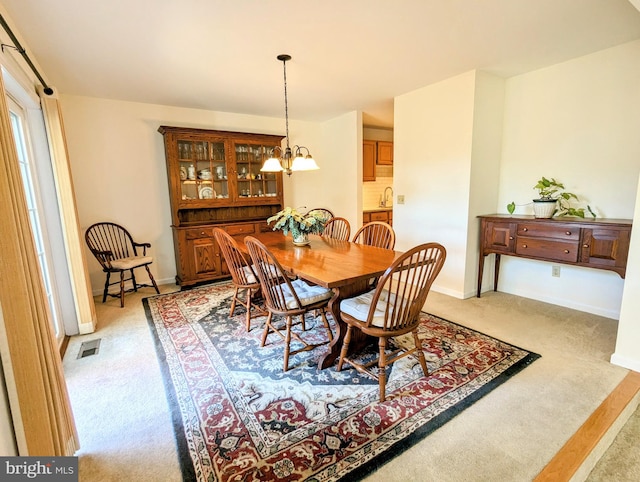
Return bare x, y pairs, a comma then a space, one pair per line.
206, 192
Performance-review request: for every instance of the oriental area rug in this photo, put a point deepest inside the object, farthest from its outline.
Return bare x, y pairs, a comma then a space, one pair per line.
238, 417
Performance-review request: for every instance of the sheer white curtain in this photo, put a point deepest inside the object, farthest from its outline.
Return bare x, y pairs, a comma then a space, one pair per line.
73, 241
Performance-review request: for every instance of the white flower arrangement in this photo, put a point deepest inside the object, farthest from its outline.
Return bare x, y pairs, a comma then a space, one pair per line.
290, 219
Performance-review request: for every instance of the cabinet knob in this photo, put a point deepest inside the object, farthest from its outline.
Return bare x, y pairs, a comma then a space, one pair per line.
202, 233
525, 246
568, 233
526, 229
585, 245
511, 238
566, 251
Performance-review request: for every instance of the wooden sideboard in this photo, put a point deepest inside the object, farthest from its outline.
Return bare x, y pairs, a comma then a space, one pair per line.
592, 243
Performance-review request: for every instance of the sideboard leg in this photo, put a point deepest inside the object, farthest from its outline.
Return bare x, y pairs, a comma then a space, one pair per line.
480, 270
495, 274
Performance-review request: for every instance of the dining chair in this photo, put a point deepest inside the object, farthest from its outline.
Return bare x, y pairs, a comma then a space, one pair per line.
327, 214
286, 298
337, 228
245, 280
117, 252
376, 233
393, 309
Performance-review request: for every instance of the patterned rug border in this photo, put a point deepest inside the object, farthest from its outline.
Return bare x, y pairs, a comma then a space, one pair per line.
444, 417
186, 464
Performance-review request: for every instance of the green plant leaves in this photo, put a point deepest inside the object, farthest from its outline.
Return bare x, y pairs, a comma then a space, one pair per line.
290, 219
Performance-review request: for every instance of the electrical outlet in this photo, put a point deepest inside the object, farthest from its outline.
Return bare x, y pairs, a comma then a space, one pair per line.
400, 198
555, 271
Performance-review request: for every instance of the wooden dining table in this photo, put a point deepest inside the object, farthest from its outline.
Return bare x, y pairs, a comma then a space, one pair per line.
342, 266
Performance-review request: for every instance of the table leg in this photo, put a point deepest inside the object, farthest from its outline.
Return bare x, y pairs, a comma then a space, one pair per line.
358, 339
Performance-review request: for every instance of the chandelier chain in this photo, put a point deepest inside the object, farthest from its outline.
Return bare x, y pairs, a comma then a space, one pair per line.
288, 161
286, 105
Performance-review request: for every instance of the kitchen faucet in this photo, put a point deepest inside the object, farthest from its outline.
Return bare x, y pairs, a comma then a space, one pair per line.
389, 188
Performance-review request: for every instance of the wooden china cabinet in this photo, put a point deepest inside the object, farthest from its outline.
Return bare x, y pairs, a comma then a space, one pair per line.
215, 181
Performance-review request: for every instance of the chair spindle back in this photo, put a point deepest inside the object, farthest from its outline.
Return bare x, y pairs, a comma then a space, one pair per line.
376, 233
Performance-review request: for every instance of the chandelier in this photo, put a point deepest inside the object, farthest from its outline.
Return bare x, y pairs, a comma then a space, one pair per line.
290, 159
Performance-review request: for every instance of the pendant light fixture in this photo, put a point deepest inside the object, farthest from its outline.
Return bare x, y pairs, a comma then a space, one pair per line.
291, 159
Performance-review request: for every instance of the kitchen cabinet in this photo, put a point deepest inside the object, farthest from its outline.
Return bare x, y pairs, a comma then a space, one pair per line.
215, 181
368, 160
384, 153
594, 243
375, 153
384, 215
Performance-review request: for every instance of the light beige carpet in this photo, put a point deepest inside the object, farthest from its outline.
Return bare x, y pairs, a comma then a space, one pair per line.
621, 463
125, 427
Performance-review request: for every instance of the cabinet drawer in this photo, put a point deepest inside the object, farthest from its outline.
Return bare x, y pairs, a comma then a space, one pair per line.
379, 216
240, 229
535, 230
547, 248
197, 233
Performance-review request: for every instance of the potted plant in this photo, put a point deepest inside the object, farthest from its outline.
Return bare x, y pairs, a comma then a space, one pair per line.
553, 200
300, 225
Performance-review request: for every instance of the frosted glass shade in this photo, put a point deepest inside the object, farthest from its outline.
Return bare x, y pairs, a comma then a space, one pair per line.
304, 164
272, 165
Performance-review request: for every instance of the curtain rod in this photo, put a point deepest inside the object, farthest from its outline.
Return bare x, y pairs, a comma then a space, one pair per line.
47, 90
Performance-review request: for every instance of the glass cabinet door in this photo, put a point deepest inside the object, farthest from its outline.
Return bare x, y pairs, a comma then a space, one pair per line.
252, 182
203, 170
219, 170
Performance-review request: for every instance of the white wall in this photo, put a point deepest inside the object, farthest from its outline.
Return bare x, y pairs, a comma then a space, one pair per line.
119, 171
627, 353
577, 121
488, 112
448, 139
335, 185
433, 132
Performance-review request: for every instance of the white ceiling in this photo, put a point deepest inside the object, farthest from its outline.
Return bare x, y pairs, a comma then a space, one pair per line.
347, 54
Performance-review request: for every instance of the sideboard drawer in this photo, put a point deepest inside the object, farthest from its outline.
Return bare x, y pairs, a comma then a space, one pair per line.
197, 233
546, 248
234, 229
549, 231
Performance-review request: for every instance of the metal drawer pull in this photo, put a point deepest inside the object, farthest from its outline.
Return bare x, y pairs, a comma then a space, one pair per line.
568, 233
525, 229
524, 246
566, 251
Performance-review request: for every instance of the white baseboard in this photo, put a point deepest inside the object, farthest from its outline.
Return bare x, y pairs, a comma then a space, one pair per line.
595, 310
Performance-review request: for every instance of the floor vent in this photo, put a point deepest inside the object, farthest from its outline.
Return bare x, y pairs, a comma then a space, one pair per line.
89, 348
